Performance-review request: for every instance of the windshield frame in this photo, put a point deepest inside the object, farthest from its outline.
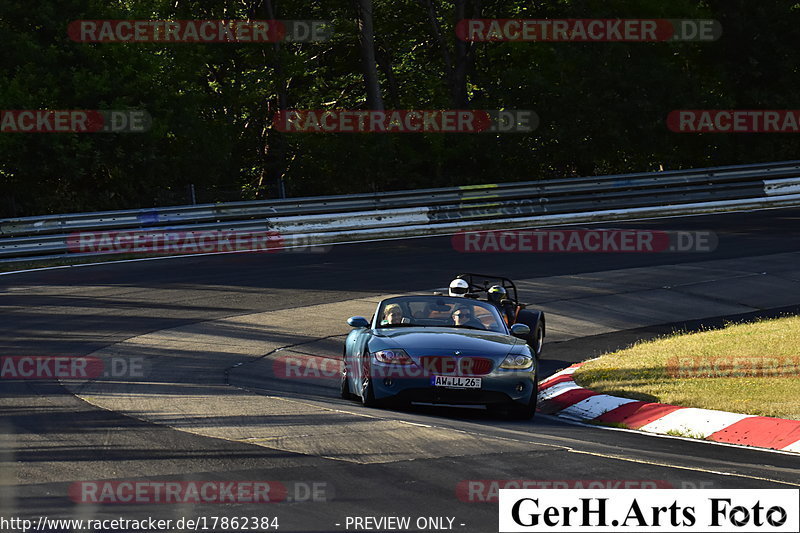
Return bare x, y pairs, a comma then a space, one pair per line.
376, 318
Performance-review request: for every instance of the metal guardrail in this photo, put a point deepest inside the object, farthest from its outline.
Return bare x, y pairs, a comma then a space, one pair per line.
327, 219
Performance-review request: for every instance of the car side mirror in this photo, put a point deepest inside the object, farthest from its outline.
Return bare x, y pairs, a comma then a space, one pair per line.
520, 330
357, 322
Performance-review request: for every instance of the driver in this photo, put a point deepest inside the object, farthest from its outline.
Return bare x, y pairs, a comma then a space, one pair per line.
459, 287
463, 316
392, 314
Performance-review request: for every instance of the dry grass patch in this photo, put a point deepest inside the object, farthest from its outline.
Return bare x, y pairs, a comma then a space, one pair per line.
749, 368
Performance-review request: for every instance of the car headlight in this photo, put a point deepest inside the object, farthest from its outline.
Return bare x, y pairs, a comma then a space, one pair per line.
517, 362
393, 357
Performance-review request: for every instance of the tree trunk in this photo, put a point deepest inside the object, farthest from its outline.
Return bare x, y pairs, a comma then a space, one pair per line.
457, 63
274, 147
385, 61
366, 38
458, 86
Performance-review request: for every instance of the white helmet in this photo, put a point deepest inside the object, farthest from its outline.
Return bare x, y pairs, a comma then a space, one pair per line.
458, 287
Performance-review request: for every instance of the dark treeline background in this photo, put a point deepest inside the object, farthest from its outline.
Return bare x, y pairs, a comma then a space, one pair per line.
603, 106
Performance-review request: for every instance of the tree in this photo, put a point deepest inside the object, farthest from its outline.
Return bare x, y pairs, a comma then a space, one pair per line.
366, 37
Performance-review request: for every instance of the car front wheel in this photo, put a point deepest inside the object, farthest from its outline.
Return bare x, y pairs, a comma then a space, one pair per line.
368, 394
536, 341
345, 389
523, 411
536, 338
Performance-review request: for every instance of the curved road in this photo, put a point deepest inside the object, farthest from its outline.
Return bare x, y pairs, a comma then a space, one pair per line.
213, 402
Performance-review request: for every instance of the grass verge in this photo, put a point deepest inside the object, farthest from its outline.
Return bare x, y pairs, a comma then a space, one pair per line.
751, 368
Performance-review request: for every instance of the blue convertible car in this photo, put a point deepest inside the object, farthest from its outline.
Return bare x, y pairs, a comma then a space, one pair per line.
440, 350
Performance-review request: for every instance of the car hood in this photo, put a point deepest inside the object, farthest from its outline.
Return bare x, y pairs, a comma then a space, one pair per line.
444, 341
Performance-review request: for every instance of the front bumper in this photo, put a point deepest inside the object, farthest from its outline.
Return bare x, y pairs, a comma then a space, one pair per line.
499, 387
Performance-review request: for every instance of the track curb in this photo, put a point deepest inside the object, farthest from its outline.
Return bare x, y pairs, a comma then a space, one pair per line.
559, 395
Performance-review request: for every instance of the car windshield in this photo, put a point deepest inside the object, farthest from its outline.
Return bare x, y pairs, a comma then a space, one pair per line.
441, 311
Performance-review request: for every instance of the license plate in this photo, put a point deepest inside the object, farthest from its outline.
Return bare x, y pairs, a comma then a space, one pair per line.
456, 382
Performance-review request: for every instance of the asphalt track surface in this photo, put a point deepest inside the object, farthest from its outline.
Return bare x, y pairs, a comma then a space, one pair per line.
52, 438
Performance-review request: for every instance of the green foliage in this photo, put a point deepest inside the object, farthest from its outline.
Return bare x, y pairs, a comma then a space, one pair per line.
602, 106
